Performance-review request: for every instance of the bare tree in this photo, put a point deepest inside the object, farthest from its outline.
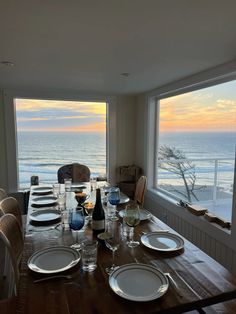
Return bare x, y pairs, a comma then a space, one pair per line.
175, 161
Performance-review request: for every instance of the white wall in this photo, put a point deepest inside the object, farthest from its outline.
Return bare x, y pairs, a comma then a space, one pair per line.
3, 157
126, 130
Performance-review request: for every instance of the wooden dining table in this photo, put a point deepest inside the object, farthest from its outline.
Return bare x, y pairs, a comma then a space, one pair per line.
197, 280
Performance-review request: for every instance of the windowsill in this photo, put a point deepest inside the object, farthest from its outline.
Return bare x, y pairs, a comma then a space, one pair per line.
213, 230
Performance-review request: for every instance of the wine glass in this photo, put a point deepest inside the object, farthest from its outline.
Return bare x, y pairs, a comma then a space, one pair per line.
81, 197
112, 241
89, 210
114, 200
132, 219
76, 223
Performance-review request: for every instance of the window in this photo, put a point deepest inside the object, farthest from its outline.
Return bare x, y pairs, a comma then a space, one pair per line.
196, 147
51, 133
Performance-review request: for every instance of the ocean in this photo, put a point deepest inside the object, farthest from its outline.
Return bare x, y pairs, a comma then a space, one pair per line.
203, 149
42, 153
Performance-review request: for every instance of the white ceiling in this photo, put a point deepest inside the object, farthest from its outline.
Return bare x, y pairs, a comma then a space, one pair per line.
85, 45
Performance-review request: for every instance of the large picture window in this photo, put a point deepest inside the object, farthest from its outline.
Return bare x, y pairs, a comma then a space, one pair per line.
196, 147
52, 133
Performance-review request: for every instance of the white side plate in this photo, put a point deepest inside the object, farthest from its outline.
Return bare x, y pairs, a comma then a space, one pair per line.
44, 201
138, 282
45, 215
53, 260
40, 190
144, 214
162, 241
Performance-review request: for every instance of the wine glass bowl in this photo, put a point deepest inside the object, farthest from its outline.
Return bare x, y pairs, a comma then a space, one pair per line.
132, 219
81, 197
114, 196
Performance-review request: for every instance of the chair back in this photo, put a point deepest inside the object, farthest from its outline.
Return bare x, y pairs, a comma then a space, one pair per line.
10, 205
3, 194
12, 238
76, 172
140, 190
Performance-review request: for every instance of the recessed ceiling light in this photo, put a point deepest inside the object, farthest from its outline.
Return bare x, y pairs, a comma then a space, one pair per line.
7, 63
126, 74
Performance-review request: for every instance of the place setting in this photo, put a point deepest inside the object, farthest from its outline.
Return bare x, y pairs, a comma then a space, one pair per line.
44, 201
42, 190
53, 262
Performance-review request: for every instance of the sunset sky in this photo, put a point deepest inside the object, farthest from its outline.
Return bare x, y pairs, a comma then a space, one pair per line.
210, 109
66, 116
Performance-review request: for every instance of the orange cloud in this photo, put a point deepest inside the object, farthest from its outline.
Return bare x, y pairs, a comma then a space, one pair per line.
197, 112
95, 127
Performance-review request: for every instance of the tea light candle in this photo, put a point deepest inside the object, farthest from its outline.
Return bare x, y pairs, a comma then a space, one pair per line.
89, 205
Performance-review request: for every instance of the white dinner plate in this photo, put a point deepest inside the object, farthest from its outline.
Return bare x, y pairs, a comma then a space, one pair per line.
162, 241
45, 215
144, 214
44, 200
123, 199
53, 260
138, 282
40, 190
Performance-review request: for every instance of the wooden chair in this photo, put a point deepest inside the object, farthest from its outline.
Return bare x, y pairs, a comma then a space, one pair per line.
140, 190
3, 194
76, 172
10, 205
12, 238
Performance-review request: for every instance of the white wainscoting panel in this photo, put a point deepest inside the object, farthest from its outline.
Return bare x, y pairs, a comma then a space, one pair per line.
217, 250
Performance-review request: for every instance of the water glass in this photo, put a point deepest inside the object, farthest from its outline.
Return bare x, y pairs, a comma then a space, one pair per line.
68, 183
61, 197
55, 189
111, 211
93, 183
127, 231
89, 255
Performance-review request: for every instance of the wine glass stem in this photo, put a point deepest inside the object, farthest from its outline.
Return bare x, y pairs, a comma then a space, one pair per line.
132, 235
113, 258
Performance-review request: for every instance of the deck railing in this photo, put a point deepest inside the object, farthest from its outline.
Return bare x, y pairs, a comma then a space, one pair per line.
215, 172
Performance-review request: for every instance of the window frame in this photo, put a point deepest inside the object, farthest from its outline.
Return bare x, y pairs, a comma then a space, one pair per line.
199, 81
9, 96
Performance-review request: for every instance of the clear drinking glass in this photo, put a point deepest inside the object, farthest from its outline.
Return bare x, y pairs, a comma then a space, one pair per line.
76, 223
112, 241
89, 255
68, 183
132, 219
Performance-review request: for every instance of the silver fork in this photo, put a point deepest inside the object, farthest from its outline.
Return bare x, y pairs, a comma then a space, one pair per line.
44, 229
53, 277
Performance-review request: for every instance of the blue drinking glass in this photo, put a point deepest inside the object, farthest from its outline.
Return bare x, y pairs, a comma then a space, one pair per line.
114, 199
76, 223
114, 196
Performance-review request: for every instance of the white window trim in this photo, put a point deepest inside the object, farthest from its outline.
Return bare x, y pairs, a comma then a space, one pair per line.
201, 80
10, 129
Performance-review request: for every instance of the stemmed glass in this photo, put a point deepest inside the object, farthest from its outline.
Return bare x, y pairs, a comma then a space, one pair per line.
89, 210
76, 223
114, 199
132, 219
112, 241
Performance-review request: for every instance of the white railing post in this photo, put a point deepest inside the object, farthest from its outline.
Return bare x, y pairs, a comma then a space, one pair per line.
215, 181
